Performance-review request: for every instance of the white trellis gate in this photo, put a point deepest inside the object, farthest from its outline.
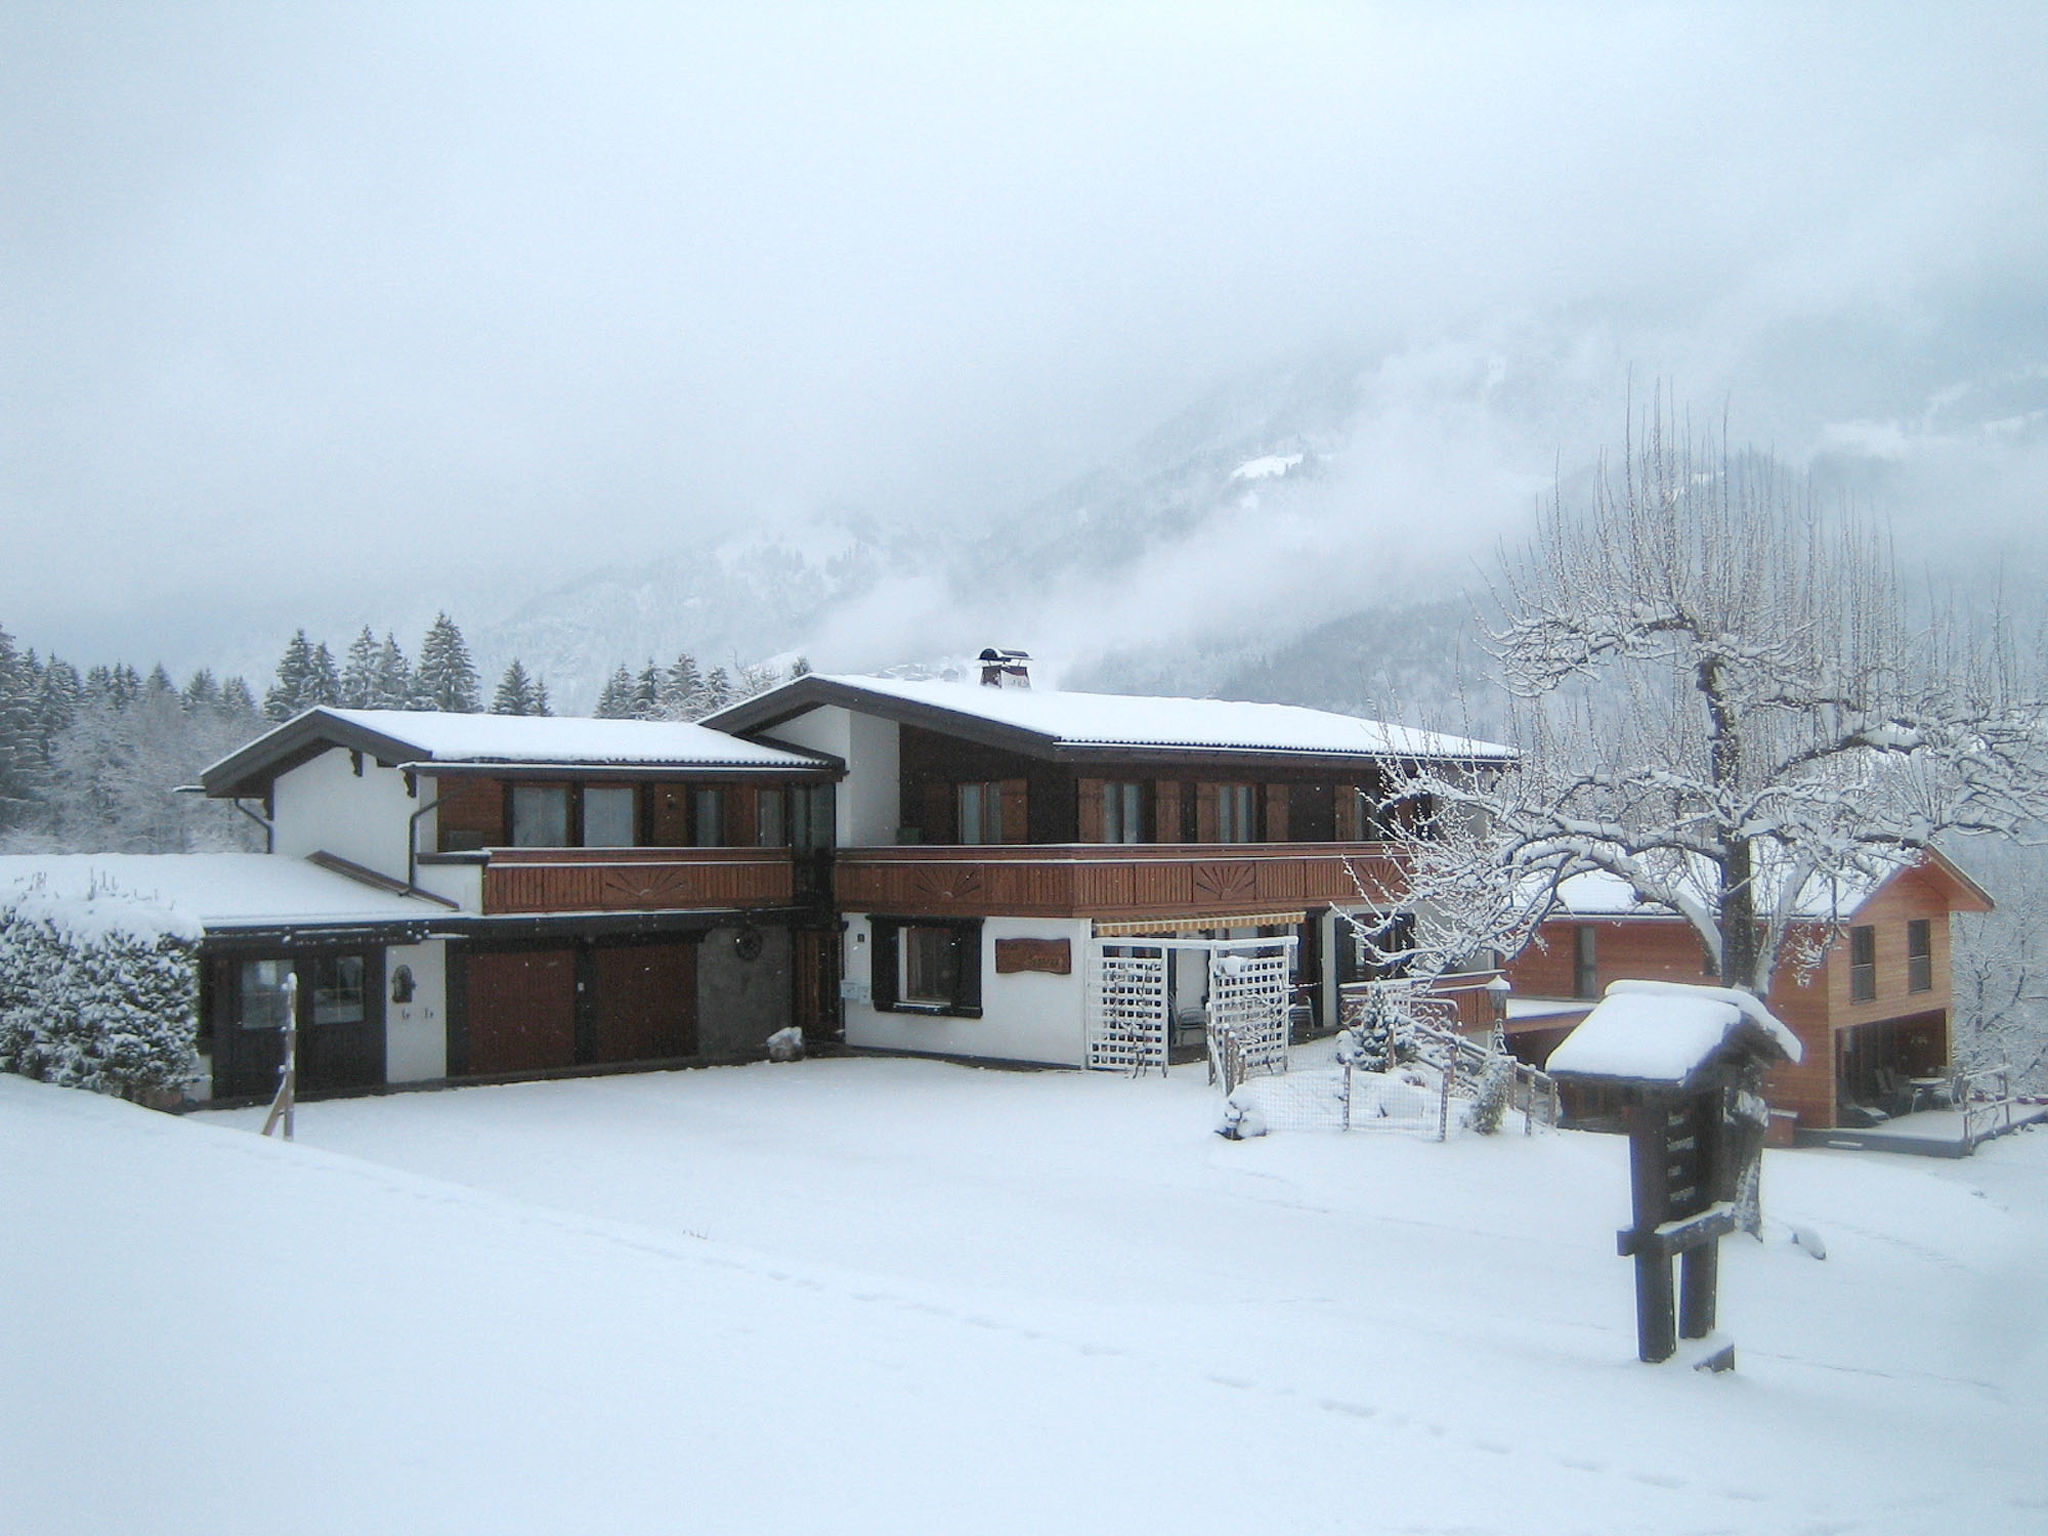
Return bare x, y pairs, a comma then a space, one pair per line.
1130, 999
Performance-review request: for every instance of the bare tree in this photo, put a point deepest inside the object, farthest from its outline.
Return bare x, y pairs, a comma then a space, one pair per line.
1720, 700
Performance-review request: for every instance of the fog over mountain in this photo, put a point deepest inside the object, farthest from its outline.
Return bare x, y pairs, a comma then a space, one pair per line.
1169, 343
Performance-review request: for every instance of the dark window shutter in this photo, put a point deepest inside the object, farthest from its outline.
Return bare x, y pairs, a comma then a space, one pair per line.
1276, 813
938, 814
1206, 819
967, 994
1090, 802
1348, 829
1166, 811
1016, 827
882, 964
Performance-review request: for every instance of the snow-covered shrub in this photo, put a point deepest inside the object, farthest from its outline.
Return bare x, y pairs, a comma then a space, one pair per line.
1241, 1122
1496, 1092
99, 992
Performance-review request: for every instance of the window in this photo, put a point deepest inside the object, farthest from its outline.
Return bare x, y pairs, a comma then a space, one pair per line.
610, 816
980, 808
1862, 964
769, 831
338, 989
707, 820
1123, 812
927, 967
261, 998
1585, 962
1236, 814
811, 816
1919, 955
540, 815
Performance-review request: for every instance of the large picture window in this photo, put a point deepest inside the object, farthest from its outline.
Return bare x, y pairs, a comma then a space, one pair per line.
338, 989
927, 967
610, 816
540, 816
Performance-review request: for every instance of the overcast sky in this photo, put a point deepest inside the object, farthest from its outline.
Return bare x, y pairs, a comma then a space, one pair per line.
301, 307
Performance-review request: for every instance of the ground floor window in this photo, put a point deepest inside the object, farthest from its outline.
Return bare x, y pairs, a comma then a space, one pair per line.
927, 967
338, 989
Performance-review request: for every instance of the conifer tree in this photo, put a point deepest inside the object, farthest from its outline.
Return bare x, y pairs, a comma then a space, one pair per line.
445, 678
392, 687
616, 701
516, 693
540, 697
682, 688
158, 684
647, 693
201, 691
323, 680
293, 668
237, 698
20, 754
718, 691
359, 672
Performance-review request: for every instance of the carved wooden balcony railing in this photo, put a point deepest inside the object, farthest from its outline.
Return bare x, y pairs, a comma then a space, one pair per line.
525, 880
1127, 881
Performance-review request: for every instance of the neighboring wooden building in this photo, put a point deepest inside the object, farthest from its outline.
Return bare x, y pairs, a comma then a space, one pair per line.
599, 892
1872, 1017
1080, 878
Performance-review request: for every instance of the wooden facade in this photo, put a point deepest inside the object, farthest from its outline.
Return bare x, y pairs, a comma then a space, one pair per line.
1119, 881
533, 880
1819, 1008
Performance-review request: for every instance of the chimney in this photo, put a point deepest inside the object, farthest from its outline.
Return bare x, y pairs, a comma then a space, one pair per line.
1005, 669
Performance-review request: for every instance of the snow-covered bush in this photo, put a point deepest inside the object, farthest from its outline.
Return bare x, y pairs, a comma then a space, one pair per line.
1496, 1091
100, 992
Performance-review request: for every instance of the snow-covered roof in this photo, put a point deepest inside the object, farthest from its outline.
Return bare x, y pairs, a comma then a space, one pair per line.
1830, 899
1664, 1031
182, 893
422, 737
1114, 721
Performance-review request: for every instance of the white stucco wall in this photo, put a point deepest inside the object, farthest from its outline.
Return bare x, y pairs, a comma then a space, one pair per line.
1029, 1016
870, 801
322, 804
416, 1033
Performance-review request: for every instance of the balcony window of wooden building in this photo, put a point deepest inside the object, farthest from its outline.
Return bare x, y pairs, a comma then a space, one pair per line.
1236, 814
610, 816
707, 817
811, 809
1862, 964
1123, 812
540, 816
1585, 961
770, 824
1920, 955
979, 808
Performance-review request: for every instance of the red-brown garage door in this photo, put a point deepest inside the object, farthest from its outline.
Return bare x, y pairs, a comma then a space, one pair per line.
646, 1001
522, 1011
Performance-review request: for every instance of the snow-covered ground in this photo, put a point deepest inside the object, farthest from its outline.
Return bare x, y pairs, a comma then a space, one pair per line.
909, 1297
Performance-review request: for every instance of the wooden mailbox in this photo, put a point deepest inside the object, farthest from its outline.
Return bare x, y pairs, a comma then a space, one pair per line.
1690, 1061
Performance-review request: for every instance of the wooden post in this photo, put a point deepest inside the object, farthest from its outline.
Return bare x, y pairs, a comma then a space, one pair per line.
1699, 1274
282, 1106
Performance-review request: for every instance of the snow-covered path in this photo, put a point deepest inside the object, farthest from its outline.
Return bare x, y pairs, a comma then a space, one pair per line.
891, 1295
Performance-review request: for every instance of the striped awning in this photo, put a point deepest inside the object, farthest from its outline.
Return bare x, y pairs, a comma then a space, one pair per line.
1158, 925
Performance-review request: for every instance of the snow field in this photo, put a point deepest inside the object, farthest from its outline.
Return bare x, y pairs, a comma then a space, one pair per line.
861, 1295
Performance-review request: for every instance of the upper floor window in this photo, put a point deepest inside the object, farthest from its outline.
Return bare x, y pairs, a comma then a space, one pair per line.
1862, 964
1236, 814
707, 819
540, 816
811, 823
1123, 812
1585, 961
770, 830
979, 808
610, 816
1919, 955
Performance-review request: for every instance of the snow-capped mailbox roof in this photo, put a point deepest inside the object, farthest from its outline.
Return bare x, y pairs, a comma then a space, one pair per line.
421, 737
181, 894
1665, 1032
1051, 718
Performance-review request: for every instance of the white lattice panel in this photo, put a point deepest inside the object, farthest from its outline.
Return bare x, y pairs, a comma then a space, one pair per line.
1248, 996
1127, 999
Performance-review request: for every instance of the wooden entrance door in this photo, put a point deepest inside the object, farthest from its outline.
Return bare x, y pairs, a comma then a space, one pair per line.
341, 1020
815, 994
522, 1010
646, 1003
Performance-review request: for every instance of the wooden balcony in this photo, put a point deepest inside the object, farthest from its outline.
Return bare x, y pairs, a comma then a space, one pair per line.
1124, 882
526, 880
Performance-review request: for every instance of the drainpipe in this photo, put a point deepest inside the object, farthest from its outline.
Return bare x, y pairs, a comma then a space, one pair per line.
412, 846
269, 829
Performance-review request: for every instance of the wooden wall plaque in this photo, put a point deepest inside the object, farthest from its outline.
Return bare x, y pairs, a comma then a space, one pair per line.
1055, 957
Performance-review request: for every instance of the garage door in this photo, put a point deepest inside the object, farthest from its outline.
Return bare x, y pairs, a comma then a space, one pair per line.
522, 1011
646, 1001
